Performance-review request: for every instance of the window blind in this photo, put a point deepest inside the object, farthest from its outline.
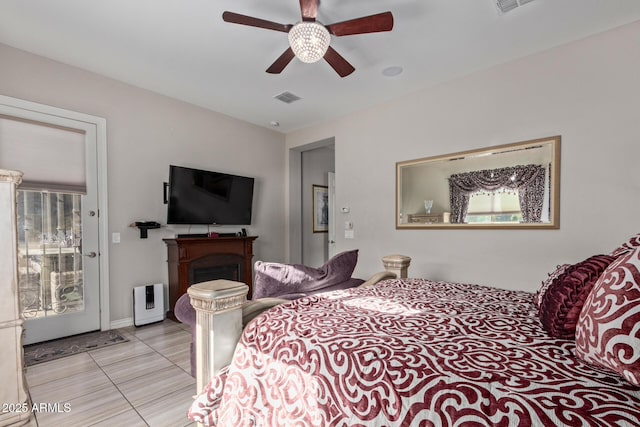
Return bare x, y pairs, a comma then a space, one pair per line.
52, 158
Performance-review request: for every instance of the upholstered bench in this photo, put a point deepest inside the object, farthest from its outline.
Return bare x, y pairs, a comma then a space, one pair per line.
293, 281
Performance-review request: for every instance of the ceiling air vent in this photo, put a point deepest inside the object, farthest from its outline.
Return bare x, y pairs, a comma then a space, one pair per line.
287, 97
507, 5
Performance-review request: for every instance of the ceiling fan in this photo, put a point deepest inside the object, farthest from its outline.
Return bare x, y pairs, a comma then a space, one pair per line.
309, 39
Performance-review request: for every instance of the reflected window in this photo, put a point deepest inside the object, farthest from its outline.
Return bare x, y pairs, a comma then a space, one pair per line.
494, 208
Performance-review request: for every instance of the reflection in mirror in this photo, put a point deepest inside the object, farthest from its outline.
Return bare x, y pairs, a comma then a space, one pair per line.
507, 186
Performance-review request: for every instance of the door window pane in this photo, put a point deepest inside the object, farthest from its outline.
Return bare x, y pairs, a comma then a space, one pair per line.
49, 253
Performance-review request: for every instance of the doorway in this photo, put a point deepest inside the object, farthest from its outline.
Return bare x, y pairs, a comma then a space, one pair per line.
62, 256
309, 166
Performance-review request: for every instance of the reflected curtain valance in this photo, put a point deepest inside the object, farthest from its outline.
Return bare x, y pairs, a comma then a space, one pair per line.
527, 180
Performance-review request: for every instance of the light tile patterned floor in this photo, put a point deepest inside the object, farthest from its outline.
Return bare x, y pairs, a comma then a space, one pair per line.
143, 382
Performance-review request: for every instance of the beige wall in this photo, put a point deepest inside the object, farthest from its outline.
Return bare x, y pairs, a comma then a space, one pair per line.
587, 91
145, 133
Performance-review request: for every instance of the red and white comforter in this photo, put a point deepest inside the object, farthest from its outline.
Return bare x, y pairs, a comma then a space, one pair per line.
411, 353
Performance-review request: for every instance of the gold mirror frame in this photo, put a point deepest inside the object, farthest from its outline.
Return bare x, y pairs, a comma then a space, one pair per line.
425, 182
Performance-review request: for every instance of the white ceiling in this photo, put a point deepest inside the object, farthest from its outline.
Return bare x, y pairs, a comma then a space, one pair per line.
183, 49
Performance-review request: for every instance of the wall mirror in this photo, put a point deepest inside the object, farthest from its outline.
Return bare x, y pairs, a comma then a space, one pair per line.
506, 186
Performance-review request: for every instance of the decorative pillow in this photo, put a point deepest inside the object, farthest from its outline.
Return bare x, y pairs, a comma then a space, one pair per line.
561, 304
628, 246
608, 330
274, 279
548, 281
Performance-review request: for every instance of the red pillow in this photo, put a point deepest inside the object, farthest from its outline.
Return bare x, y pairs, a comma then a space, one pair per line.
548, 282
561, 304
608, 330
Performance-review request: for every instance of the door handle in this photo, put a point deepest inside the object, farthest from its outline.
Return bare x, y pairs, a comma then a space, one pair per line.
91, 254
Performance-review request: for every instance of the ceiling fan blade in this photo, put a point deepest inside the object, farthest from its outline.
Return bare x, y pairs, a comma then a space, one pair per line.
309, 9
338, 63
281, 62
367, 24
236, 18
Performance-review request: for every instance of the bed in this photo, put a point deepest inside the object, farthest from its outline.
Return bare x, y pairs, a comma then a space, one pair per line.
415, 352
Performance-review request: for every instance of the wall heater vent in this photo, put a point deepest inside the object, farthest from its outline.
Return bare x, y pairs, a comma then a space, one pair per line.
148, 304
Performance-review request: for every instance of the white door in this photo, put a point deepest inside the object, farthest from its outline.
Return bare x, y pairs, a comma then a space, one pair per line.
331, 235
58, 236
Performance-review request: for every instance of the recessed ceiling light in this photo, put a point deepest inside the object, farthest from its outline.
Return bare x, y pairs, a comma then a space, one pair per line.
392, 71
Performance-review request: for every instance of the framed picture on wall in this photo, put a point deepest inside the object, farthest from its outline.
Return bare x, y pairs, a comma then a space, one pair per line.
320, 208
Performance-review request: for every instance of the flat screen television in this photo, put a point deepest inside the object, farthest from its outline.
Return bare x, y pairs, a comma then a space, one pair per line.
204, 197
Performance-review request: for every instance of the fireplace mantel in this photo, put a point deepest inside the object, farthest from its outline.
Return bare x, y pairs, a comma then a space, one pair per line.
194, 260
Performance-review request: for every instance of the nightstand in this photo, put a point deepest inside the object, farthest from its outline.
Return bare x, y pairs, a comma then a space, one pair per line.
432, 218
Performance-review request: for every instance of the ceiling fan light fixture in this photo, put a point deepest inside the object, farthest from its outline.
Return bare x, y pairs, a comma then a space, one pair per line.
309, 41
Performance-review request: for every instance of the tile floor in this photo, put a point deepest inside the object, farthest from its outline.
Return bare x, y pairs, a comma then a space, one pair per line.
143, 382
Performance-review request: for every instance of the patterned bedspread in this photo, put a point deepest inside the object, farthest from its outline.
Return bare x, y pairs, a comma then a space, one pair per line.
411, 353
